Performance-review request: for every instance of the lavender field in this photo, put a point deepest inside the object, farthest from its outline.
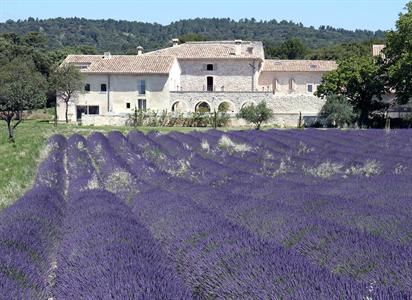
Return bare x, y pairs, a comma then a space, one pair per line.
297, 214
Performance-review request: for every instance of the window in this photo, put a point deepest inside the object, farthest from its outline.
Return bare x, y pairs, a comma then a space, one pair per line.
310, 88
142, 87
210, 67
87, 110
103, 87
141, 104
93, 110
87, 87
209, 84
128, 105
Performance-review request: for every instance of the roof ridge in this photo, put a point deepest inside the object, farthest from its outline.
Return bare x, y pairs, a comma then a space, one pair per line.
218, 42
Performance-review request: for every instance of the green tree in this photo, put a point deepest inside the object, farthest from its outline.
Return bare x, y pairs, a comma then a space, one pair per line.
21, 88
358, 79
192, 37
398, 57
289, 49
337, 110
256, 114
66, 80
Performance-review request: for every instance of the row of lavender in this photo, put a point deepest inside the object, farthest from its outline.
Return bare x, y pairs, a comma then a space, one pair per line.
193, 216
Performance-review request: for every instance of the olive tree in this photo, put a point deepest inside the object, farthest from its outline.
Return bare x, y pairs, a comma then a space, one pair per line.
256, 114
21, 88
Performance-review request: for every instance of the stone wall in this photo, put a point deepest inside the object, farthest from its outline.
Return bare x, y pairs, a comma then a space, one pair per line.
228, 75
236, 99
104, 120
295, 104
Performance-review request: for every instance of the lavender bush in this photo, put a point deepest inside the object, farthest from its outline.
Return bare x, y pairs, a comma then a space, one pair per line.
276, 214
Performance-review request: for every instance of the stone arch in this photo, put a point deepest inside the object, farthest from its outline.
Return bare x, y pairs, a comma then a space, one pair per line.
226, 106
203, 106
247, 103
179, 106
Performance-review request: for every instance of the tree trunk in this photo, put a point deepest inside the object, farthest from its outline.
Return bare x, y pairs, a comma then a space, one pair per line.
364, 117
55, 114
257, 126
10, 129
66, 113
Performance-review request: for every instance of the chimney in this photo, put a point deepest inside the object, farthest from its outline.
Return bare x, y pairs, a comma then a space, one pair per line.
175, 42
107, 55
139, 50
377, 50
238, 47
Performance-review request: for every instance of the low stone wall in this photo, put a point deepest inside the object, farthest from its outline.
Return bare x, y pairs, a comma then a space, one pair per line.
279, 119
104, 120
295, 104
280, 104
214, 99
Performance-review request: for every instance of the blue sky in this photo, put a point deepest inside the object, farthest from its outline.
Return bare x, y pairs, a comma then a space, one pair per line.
348, 14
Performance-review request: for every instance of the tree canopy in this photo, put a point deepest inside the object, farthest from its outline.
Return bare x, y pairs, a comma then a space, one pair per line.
398, 57
289, 49
66, 80
120, 37
337, 111
358, 79
22, 88
256, 114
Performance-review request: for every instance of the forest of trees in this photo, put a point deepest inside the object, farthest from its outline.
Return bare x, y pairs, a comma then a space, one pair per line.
122, 37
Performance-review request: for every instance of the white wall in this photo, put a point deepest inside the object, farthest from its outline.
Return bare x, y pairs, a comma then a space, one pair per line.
94, 97
123, 89
301, 80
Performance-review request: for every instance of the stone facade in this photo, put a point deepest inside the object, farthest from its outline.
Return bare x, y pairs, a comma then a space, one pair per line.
235, 99
186, 77
228, 75
122, 94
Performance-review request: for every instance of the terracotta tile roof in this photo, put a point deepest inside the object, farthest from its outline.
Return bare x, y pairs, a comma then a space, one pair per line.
123, 64
83, 59
213, 50
271, 65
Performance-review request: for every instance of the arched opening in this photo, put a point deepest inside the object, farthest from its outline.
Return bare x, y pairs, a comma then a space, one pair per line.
248, 103
226, 106
202, 107
179, 106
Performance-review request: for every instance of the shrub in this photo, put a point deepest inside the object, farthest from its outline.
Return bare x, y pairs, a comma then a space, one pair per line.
337, 111
256, 114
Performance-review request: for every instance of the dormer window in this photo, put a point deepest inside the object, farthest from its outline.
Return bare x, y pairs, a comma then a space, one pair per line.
210, 67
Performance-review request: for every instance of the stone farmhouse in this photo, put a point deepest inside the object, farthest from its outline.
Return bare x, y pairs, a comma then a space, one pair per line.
195, 75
